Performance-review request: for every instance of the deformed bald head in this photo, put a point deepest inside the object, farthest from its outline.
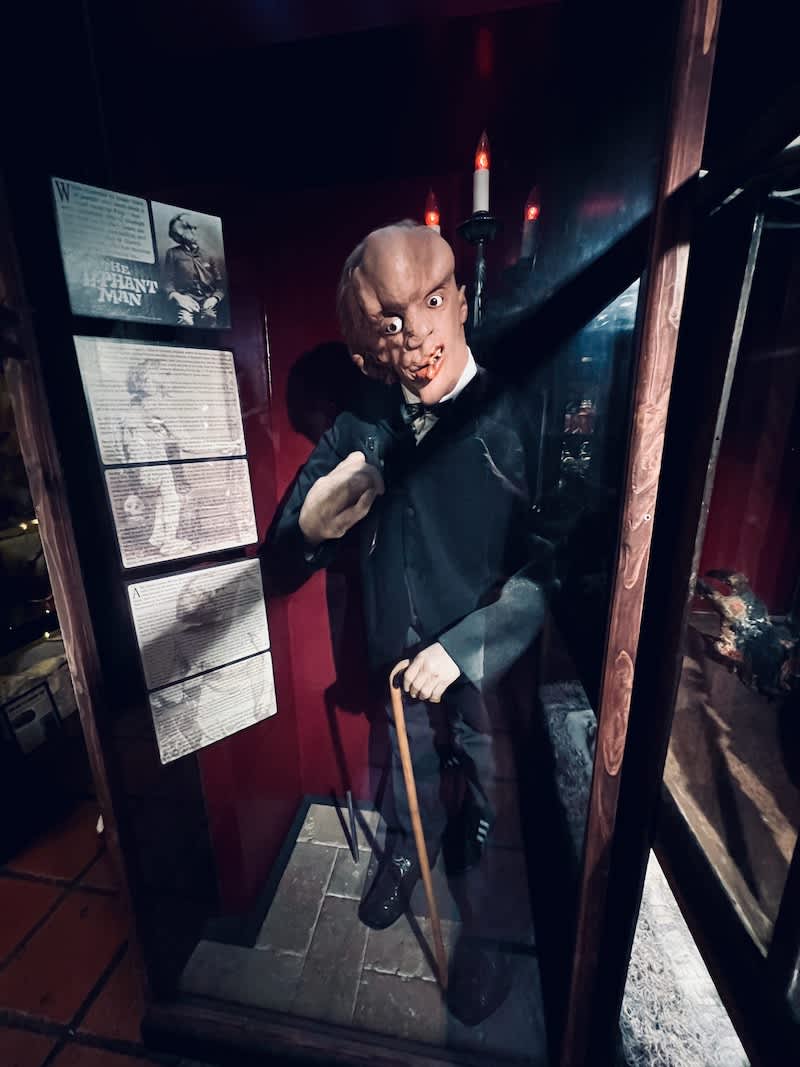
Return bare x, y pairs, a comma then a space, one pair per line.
400, 309
362, 263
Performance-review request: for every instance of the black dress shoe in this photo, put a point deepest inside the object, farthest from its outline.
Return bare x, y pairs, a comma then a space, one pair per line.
478, 983
390, 892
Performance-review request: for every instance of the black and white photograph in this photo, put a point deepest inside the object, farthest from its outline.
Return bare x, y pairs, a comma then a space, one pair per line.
153, 403
126, 259
188, 624
204, 644
192, 262
174, 510
169, 432
207, 707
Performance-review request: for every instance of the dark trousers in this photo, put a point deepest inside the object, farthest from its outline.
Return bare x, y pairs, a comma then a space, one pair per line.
452, 754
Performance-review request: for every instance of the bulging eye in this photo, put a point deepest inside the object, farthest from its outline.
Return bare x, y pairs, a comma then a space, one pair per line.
393, 325
435, 301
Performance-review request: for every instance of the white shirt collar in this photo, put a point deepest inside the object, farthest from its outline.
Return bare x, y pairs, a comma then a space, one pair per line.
467, 375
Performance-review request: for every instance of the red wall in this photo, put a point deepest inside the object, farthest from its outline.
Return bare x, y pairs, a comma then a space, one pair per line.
755, 506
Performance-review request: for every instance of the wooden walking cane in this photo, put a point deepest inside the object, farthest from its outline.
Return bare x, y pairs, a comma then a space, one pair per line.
396, 694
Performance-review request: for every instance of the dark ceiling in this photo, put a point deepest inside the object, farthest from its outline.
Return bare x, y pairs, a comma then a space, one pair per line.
266, 94
247, 23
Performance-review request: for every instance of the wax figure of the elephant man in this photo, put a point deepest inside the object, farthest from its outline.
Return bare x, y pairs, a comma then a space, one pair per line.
434, 483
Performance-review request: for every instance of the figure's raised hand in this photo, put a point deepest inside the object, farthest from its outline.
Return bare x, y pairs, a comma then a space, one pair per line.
430, 672
338, 500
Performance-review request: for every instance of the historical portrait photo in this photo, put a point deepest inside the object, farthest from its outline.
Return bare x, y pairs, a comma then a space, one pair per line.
192, 264
169, 432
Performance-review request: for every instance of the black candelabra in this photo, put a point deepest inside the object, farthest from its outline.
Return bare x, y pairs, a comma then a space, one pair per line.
478, 230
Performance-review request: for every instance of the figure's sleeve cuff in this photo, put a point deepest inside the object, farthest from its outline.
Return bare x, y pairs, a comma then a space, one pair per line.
465, 646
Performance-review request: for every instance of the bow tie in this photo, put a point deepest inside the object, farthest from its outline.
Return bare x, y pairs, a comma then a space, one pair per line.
412, 412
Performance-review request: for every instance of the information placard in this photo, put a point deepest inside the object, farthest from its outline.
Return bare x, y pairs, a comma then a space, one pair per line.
187, 624
169, 433
125, 258
204, 645
196, 713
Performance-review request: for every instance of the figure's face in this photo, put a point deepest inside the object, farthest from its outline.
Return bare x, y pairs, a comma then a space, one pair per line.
151, 384
187, 234
142, 383
413, 312
134, 507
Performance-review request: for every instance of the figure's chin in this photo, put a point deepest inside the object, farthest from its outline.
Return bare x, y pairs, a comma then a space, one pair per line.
432, 392
425, 380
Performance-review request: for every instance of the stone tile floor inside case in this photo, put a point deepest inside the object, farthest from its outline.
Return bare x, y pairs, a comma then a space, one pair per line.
313, 957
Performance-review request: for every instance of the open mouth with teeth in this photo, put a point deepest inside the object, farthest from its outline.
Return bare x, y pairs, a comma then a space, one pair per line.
427, 371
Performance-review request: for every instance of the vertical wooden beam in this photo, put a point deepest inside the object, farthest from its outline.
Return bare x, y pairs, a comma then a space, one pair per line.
661, 303
20, 366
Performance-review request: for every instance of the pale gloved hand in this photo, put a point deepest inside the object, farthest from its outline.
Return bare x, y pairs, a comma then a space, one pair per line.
338, 500
210, 303
183, 300
430, 672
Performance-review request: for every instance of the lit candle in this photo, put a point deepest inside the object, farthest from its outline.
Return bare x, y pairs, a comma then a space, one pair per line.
480, 179
530, 225
432, 216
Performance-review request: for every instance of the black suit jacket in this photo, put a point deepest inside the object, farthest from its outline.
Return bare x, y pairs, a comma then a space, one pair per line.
449, 551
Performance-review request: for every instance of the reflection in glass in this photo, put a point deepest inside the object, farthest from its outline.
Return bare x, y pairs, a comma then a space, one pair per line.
483, 507
586, 391
734, 759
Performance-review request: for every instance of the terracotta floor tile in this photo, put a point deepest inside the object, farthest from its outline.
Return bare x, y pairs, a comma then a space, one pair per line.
18, 1048
83, 1056
118, 1010
101, 874
21, 905
57, 968
64, 850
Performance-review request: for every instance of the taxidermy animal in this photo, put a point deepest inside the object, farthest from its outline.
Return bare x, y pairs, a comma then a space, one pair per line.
765, 655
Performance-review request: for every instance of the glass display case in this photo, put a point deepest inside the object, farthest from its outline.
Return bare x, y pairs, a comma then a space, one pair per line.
240, 719
720, 629
587, 392
732, 764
